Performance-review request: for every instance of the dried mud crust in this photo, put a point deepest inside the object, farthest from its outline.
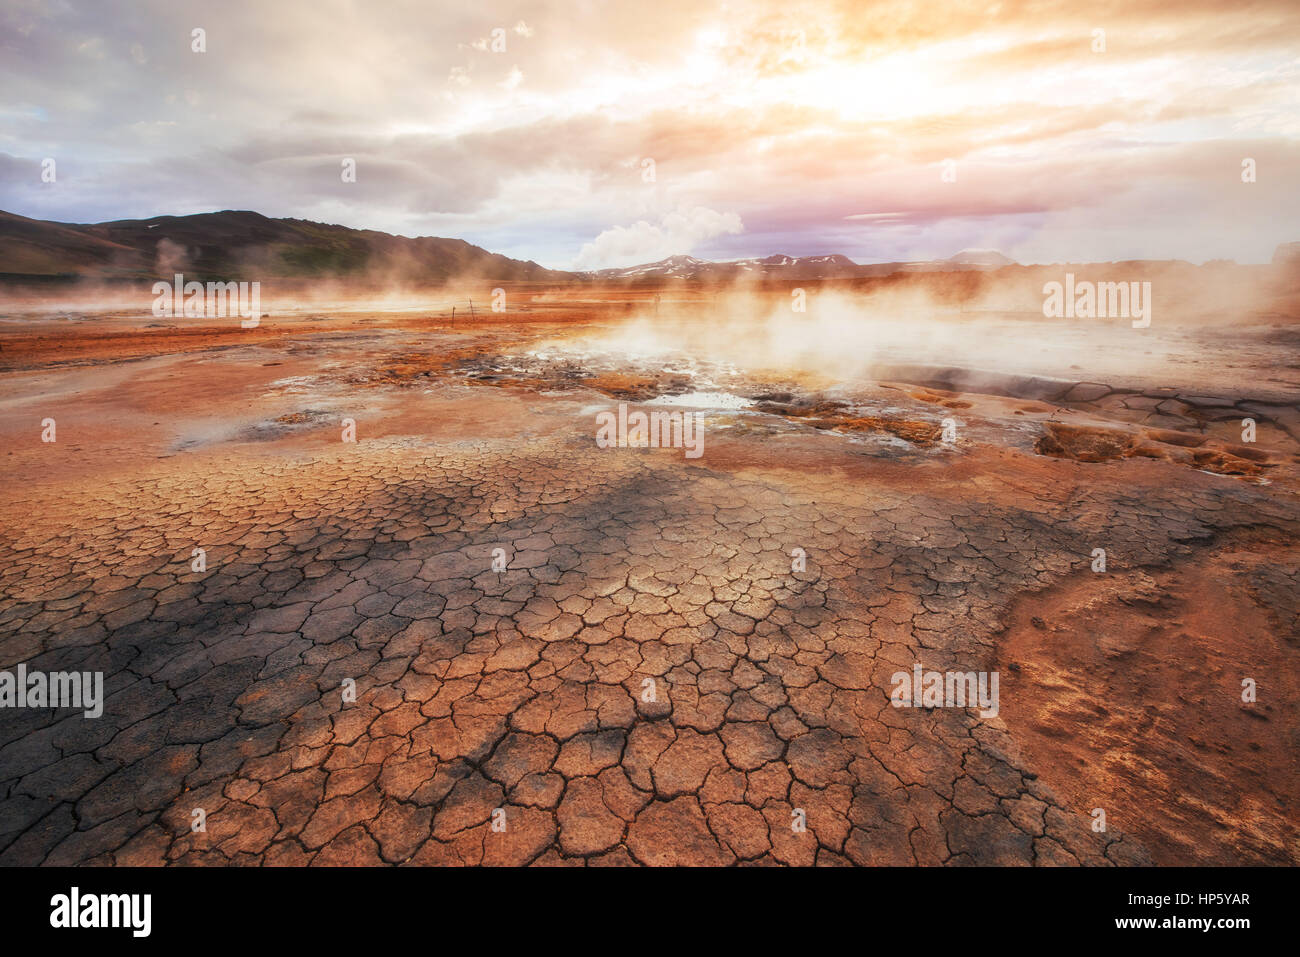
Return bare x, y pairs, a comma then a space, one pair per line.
1126, 691
525, 690
835, 416
1173, 426
1086, 443
527, 372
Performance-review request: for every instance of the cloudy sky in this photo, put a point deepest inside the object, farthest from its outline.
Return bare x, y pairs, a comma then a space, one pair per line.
588, 134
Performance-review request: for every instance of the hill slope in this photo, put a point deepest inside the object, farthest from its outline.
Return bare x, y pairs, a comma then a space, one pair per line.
238, 244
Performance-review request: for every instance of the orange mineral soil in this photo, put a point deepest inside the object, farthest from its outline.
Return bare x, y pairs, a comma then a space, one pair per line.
473, 610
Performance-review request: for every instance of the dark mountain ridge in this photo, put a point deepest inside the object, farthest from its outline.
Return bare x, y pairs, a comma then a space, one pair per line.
240, 244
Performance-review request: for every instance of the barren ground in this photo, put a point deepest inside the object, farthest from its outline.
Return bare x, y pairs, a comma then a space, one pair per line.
525, 690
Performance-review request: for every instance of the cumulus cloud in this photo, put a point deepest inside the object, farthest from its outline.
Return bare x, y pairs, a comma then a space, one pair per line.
675, 234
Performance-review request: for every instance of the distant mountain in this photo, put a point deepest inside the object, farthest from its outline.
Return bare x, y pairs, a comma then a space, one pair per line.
238, 244
771, 267
795, 267
981, 257
675, 267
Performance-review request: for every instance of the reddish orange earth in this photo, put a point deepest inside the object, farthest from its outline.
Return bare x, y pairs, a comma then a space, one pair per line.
471, 636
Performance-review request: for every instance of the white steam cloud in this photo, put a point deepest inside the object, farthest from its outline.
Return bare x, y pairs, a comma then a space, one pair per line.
677, 233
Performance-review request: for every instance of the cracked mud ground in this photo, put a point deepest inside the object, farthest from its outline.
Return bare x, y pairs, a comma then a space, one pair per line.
526, 690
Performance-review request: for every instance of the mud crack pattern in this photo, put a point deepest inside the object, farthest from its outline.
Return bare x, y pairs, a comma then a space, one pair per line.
525, 691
